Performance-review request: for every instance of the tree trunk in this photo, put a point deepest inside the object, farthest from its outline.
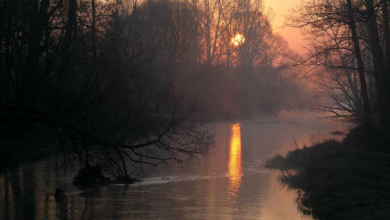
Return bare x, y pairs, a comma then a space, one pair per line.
356, 97
65, 53
93, 31
363, 85
386, 33
381, 75
37, 25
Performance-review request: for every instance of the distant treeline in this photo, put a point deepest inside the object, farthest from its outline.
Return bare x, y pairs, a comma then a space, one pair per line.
230, 79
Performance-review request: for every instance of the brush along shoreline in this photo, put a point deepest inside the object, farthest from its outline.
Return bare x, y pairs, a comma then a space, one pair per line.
337, 180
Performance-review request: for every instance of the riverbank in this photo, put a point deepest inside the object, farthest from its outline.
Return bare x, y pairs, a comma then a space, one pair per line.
336, 181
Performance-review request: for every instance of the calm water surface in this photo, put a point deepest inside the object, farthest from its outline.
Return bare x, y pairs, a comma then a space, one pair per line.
230, 182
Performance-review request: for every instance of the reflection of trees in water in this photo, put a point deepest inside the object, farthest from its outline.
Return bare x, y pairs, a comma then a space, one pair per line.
62, 209
19, 194
210, 198
6, 203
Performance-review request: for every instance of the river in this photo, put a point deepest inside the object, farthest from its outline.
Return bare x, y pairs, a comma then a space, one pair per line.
228, 183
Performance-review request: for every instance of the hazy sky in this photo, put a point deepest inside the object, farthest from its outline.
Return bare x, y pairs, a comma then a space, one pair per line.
281, 8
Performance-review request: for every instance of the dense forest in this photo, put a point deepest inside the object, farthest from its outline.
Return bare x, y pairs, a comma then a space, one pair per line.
128, 82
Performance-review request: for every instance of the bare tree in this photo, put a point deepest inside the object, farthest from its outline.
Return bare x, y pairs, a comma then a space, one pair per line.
341, 47
93, 76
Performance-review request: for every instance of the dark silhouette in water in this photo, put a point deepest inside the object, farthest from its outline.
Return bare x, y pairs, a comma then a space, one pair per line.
59, 194
91, 176
62, 203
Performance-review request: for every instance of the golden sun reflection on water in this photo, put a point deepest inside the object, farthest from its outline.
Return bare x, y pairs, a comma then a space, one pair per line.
235, 172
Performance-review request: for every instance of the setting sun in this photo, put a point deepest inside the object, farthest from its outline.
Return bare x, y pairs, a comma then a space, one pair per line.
195, 109
238, 39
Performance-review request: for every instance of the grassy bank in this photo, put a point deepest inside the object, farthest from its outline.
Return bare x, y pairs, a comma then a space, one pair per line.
337, 182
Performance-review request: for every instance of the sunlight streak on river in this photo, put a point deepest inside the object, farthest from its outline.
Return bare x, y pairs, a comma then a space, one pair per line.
235, 172
231, 183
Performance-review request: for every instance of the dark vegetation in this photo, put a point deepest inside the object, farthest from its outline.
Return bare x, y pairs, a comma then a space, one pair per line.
90, 176
335, 180
349, 60
93, 176
337, 132
120, 84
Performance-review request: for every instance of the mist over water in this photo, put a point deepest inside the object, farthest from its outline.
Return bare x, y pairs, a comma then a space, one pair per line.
229, 182
172, 109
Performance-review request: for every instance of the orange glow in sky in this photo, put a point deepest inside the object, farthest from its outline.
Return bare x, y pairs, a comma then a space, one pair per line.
282, 8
